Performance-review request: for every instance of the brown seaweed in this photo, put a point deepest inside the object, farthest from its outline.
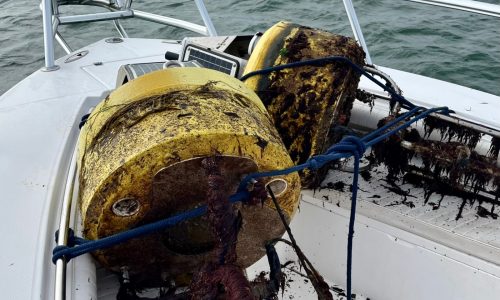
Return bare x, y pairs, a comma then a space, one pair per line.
451, 131
390, 153
494, 147
448, 167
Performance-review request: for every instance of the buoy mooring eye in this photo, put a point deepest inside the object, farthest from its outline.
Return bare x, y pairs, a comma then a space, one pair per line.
126, 207
278, 186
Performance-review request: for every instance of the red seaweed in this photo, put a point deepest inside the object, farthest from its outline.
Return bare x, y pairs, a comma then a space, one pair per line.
225, 224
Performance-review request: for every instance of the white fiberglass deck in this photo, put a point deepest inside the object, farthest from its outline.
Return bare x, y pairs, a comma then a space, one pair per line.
388, 262
39, 126
475, 229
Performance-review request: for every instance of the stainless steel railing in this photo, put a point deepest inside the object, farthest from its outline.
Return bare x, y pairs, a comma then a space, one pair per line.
48, 36
60, 280
118, 9
356, 28
478, 7
465, 5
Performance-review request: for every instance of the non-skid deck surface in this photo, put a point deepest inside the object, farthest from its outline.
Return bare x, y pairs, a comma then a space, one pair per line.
477, 222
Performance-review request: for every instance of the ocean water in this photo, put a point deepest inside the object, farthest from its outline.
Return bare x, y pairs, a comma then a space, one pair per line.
450, 45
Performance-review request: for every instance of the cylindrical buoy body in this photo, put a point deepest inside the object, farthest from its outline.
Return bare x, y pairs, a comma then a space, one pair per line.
305, 102
140, 158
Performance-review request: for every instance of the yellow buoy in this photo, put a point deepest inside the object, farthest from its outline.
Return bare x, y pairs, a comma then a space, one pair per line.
304, 102
140, 158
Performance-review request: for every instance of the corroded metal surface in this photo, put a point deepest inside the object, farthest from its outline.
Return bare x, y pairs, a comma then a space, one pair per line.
184, 185
306, 101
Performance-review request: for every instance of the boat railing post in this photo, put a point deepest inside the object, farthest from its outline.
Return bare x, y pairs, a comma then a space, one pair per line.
62, 42
48, 36
206, 18
478, 7
356, 28
128, 4
55, 25
125, 6
55, 7
120, 29
51, 21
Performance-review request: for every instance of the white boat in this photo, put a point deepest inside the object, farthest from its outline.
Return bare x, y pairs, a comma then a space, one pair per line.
408, 243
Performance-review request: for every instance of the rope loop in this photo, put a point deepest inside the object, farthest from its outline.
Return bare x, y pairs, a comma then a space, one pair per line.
61, 252
360, 146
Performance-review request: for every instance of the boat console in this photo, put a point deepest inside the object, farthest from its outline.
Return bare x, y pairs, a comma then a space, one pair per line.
226, 54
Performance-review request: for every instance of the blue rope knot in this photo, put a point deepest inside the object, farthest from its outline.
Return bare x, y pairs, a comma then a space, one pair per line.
60, 252
313, 164
360, 146
72, 239
65, 251
348, 146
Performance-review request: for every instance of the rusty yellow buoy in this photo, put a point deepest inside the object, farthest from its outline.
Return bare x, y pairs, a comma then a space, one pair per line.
304, 102
140, 156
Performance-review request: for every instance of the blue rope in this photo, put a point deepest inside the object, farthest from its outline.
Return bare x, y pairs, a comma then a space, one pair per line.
83, 246
347, 147
352, 217
328, 60
350, 146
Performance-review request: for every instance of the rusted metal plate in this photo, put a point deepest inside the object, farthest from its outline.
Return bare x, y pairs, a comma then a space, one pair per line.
183, 186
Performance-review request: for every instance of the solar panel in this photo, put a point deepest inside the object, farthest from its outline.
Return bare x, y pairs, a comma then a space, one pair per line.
211, 60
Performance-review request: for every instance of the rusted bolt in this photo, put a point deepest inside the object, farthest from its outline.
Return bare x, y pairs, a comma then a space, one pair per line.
126, 207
